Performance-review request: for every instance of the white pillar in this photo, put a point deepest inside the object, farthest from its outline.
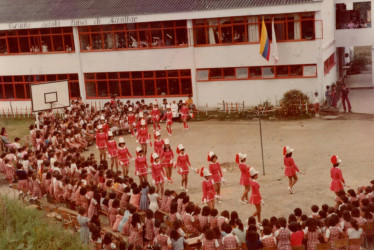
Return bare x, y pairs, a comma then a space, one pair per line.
82, 86
193, 68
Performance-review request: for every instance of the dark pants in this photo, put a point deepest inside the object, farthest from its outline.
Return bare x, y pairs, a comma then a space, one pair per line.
346, 99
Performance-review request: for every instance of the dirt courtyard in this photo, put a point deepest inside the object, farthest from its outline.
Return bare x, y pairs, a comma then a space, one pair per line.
314, 141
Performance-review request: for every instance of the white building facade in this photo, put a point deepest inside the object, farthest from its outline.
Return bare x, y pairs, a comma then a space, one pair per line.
211, 54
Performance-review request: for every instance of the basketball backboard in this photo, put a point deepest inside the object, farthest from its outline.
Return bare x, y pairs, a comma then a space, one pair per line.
49, 95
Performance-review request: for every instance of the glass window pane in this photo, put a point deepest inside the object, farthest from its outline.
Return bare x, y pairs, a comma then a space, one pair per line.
181, 35
229, 73
113, 88
85, 42
120, 40
45, 31
27, 87
13, 45
174, 87
7, 79
46, 44
108, 41
255, 72
215, 74
125, 88
8, 91
90, 89
226, 34
124, 75
96, 41
73, 76
148, 74
102, 88
57, 43
101, 76
160, 73
40, 78
268, 72
74, 89
24, 45
1, 92
52, 78
29, 78
112, 75
296, 70
89, 76
186, 86
200, 35
241, 73
185, 72
18, 78
136, 74
149, 87
239, 34
181, 23
202, 74
282, 71
173, 73
137, 87
3, 47
83, 29
22, 32
20, 91
162, 87
168, 24
310, 70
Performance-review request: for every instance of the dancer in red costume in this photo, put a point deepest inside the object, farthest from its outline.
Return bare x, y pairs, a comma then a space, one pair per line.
183, 164
158, 144
141, 166
290, 168
245, 177
215, 170
209, 192
101, 139
169, 119
123, 156
185, 113
142, 136
167, 157
112, 150
337, 180
158, 174
156, 116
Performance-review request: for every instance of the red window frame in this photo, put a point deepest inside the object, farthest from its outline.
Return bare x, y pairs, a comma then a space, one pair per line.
150, 35
255, 69
329, 63
37, 41
218, 24
18, 86
167, 77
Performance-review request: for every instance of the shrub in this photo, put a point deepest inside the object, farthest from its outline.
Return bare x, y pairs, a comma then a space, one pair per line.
26, 228
291, 102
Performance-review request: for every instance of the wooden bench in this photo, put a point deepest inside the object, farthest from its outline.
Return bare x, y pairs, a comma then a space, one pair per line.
117, 235
193, 243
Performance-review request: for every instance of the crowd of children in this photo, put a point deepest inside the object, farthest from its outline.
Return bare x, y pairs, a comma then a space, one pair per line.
52, 166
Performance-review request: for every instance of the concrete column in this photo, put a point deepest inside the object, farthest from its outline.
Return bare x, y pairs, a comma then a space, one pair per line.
372, 66
82, 86
193, 68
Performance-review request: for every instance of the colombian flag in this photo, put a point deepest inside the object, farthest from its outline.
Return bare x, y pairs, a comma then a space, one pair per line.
264, 42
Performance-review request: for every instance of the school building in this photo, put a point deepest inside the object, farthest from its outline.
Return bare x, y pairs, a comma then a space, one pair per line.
154, 49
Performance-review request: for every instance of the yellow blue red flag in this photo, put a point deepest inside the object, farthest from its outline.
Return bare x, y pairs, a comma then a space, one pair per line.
264, 42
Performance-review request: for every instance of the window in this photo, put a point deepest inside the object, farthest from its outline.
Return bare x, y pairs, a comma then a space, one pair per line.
257, 72
31, 41
133, 35
329, 63
355, 16
138, 83
18, 87
234, 30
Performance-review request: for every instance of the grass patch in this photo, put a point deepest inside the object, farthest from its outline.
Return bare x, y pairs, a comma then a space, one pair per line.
17, 127
26, 228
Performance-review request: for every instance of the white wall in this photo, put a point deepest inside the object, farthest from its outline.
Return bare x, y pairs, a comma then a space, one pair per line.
252, 92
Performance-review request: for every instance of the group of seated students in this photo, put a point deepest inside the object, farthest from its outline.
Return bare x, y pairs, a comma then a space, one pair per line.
54, 167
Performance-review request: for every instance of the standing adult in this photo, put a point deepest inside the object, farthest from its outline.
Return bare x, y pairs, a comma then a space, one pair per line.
345, 98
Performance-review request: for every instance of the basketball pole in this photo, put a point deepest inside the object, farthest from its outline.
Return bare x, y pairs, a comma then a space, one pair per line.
262, 148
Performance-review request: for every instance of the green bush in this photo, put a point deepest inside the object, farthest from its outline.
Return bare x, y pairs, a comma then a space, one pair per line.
291, 102
28, 228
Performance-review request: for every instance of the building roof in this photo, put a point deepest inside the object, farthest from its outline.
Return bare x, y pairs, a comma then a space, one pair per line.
40, 10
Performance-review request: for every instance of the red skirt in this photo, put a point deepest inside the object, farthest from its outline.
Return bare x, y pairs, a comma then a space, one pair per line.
216, 178
169, 123
289, 171
210, 196
124, 162
142, 171
159, 179
245, 181
101, 144
336, 185
113, 153
183, 170
255, 199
